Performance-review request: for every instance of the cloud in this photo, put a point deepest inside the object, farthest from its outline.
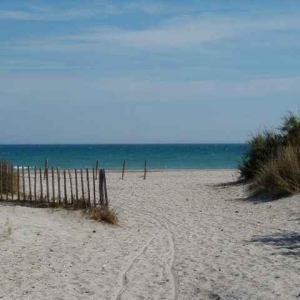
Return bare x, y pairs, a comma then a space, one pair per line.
34, 12
55, 88
178, 33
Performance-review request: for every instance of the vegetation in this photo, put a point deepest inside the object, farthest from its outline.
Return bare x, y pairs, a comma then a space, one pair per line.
279, 176
104, 215
8, 179
273, 160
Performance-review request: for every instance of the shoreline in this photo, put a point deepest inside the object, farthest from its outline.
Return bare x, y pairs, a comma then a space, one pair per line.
137, 170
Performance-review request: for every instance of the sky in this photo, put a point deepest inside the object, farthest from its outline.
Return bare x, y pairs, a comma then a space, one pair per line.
194, 71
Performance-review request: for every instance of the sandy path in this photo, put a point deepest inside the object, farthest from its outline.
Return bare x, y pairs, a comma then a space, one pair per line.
180, 237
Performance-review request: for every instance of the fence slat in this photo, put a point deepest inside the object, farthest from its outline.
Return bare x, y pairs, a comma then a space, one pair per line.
88, 186
145, 170
29, 181
23, 181
65, 188
82, 186
7, 182
102, 200
12, 181
58, 181
76, 185
71, 186
41, 185
100, 181
94, 187
19, 198
105, 189
47, 183
53, 185
35, 197
123, 169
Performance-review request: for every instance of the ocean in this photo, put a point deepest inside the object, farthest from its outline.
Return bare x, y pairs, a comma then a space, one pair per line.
158, 156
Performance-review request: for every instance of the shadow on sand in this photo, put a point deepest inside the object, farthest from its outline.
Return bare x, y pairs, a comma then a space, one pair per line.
289, 243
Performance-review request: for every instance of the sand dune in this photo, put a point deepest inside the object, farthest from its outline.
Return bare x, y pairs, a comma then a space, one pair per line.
181, 236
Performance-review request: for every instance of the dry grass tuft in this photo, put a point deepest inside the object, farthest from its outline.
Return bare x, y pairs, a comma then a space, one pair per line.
104, 215
279, 176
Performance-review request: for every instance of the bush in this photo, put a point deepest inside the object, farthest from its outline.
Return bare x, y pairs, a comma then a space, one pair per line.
291, 129
279, 176
265, 146
262, 147
8, 181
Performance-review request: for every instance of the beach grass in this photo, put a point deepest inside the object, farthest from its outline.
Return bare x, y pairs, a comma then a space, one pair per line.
272, 162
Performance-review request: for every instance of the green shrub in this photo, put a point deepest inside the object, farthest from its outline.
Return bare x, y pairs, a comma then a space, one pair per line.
279, 176
291, 129
264, 146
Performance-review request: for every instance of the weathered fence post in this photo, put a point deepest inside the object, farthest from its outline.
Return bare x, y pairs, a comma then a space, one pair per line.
58, 182
94, 187
41, 184
123, 169
19, 198
71, 186
53, 185
7, 181
23, 181
105, 189
76, 184
100, 187
12, 181
82, 186
47, 186
88, 186
29, 181
65, 188
35, 197
145, 170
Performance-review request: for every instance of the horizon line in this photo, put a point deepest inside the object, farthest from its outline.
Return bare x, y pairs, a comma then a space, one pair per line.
104, 144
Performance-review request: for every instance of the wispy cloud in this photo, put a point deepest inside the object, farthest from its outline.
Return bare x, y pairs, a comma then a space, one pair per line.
33, 12
133, 89
180, 32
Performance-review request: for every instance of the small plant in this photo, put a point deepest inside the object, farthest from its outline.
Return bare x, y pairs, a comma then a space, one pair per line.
104, 215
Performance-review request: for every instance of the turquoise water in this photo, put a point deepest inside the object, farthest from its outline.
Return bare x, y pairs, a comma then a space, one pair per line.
158, 156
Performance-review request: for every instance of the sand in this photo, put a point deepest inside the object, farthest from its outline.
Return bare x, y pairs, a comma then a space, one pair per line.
181, 236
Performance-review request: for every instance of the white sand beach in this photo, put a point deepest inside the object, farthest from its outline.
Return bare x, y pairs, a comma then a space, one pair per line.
181, 236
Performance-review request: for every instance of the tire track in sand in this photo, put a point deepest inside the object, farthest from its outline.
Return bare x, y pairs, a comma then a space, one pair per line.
156, 261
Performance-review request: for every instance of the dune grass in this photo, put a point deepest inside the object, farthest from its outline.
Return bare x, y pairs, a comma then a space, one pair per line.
280, 175
272, 163
265, 146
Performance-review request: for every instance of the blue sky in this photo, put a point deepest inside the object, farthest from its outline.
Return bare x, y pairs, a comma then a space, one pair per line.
146, 71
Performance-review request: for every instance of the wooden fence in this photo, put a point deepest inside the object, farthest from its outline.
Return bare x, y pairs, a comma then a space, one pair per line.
81, 188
